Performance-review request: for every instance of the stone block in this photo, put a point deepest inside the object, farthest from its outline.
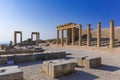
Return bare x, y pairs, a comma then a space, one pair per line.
58, 68
92, 62
80, 61
31, 58
19, 59
47, 63
3, 59
11, 73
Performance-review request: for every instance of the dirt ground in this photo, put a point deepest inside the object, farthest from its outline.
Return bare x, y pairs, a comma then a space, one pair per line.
110, 69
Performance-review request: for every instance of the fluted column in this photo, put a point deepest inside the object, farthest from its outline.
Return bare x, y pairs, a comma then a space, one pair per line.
99, 35
112, 34
88, 35
80, 35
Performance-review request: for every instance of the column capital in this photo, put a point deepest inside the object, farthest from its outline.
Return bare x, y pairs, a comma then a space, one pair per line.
88, 24
99, 23
111, 20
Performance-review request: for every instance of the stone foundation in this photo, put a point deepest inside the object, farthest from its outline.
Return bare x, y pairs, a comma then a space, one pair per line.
22, 58
11, 73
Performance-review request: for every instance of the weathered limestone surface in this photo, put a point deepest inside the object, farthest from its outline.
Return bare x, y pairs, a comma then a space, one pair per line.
3, 59
62, 38
22, 58
88, 35
112, 35
46, 64
92, 62
58, 68
80, 61
37, 37
73, 35
11, 73
80, 35
99, 35
57, 37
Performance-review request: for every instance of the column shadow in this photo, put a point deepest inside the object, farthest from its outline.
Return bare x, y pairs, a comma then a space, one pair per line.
108, 68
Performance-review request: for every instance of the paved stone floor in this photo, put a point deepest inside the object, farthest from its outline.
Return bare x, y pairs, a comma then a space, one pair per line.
110, 70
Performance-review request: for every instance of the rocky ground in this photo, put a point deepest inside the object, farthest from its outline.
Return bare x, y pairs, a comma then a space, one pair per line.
110, 70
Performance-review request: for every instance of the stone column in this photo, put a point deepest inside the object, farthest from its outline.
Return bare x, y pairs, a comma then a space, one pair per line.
62, 38
112, 34
99, 35
67, 37
31, 38
20, 37
88, 35
38, 37
73, 35
14, 38
57, 37
80, 35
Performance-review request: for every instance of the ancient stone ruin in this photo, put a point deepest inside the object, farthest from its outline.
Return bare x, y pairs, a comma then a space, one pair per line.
37, 41
76, 36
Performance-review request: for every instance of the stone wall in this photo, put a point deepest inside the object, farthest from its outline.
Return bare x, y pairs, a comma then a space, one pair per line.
21, 58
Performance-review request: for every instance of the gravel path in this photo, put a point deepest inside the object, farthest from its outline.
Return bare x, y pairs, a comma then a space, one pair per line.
110, 70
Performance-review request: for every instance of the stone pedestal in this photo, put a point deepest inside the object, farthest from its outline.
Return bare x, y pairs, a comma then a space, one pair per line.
92, 62
112, 35
58, 68
99, 35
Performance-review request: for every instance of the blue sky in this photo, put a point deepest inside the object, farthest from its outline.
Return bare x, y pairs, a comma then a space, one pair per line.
45, 15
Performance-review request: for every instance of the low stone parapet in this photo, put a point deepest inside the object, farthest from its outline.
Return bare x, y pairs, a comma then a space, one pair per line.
22, 58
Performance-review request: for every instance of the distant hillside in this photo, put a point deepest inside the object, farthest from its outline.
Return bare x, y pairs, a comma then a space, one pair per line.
106, 34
